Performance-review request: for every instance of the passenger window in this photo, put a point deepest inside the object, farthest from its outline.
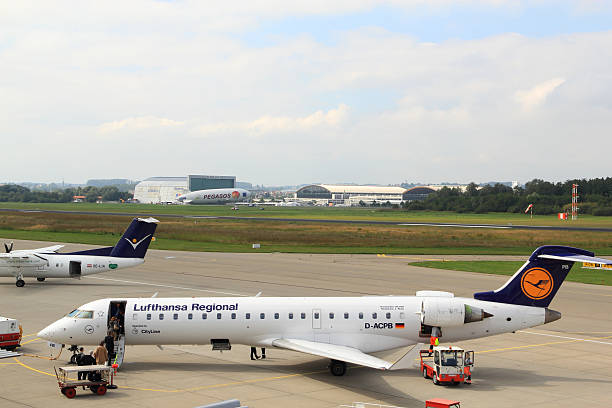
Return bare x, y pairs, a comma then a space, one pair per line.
361, 315
148, 316
262, 316
247, 316
388, 315
204, 316
161, 316
233, 315
218, 316
276, 316
331, 315
346, 315
290, 315
316, 315
303, 315
374, 315
175, 317
190, 316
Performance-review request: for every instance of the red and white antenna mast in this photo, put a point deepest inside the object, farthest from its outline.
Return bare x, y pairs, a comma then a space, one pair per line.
574, 202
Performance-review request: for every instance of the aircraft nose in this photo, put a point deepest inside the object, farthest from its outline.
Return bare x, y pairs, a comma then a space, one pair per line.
46, 333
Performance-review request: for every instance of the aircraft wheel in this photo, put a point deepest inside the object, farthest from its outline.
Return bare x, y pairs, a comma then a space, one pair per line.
40, 279
337, 368
69, 392
20, 283
425, 373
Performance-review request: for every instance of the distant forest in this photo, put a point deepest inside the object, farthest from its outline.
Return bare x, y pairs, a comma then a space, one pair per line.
16, 193
595, 197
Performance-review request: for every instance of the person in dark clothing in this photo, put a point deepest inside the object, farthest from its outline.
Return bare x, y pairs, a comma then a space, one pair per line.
254, 353
85, 360
263, 352
109, 343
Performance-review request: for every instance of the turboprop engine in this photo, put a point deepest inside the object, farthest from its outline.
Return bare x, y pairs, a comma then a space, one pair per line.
449, 312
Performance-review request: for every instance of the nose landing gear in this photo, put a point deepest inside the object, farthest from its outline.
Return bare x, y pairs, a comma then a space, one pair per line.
20, 282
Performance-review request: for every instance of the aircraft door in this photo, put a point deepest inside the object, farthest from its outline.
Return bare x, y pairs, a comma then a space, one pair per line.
74, 269
316, 318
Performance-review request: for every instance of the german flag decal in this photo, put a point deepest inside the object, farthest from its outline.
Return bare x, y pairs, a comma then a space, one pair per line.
399, 325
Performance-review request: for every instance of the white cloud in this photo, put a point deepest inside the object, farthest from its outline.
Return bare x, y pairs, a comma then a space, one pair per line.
281, 124
535, 96
138, 123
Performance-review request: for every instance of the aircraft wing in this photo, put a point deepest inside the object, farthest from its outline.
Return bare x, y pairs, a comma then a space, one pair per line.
45, 250
334, 352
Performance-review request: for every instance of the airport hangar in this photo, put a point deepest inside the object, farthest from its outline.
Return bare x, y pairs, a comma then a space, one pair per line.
156, 190
352, 195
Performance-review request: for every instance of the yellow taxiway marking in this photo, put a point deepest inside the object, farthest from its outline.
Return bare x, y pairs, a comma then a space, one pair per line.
30, 341
282, 377
29, 335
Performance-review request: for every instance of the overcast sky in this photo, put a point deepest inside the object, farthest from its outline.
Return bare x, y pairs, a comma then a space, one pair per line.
279, 92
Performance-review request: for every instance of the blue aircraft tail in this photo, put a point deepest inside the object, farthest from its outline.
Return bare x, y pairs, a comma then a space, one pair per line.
136, 239
537, 282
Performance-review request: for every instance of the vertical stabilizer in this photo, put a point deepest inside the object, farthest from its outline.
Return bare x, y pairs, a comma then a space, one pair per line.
136, 239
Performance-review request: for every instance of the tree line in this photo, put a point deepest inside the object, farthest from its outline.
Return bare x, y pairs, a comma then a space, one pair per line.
17, 193
595, 197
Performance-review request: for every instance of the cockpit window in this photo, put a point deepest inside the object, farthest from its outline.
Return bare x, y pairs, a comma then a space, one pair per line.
73, 313
85, 314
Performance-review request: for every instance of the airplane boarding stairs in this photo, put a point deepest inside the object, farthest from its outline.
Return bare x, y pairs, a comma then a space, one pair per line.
119, 351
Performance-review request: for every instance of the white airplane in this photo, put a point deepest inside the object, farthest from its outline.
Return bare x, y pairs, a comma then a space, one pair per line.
343, 329
42, 263
214, 196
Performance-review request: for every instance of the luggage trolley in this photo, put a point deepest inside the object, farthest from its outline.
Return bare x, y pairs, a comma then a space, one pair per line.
98, 379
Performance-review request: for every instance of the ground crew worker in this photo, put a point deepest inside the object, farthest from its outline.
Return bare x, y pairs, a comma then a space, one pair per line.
100, 354
254, 353
263, 352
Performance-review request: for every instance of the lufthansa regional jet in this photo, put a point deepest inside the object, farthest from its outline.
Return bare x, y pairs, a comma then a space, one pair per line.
214, 196
46, 262
342, 329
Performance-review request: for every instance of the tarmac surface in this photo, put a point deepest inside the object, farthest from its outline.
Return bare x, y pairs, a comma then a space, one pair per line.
567, 363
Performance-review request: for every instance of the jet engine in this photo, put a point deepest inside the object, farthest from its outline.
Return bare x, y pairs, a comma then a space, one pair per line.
449, 312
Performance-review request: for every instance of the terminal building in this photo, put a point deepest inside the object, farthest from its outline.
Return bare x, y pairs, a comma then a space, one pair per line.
156, 190
350, 195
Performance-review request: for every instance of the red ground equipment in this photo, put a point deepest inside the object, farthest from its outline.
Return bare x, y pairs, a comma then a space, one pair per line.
447, 365
10, 333
442, 403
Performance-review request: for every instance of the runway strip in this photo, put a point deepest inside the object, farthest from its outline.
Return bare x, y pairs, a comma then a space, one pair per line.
315, 220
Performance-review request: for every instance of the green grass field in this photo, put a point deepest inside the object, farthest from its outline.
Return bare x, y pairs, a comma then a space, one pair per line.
340, 213
577, 274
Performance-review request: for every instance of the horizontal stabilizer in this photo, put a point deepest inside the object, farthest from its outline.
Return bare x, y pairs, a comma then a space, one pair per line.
334, 352
578, 258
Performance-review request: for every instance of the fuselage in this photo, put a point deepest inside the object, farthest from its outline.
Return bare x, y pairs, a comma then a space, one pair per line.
214, 196
369, 324
59, 265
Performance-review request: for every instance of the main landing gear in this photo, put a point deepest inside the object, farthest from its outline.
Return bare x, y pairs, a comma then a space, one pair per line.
20, 282
40, 279
337, 368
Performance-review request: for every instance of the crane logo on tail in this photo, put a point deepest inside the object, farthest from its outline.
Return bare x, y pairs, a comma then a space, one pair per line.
537, 283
